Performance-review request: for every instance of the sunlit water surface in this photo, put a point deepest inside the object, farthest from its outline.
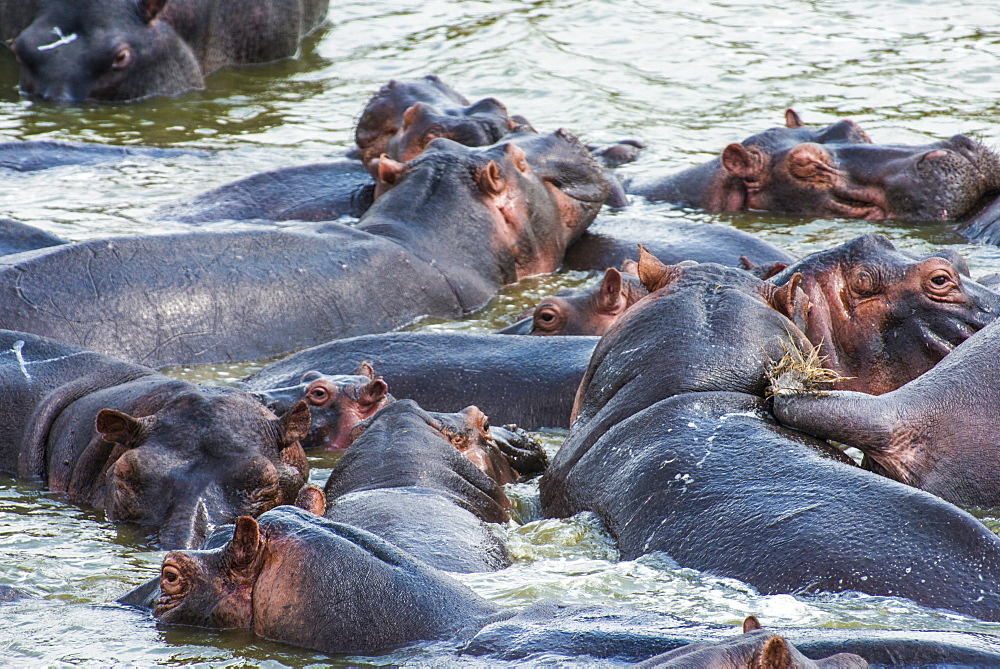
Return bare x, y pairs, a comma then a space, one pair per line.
687, 78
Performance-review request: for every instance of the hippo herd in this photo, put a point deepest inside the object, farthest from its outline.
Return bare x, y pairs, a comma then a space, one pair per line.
702, 379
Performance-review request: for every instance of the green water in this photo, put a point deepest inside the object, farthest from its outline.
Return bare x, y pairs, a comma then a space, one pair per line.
686, 78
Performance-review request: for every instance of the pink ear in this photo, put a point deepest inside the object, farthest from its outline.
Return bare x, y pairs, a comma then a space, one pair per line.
611, 289
489, 179
411, 114
389, 171
294, 425
242, 550
750, 624
311, 499
374, 393
792, 119
120, 428
653, 274
151, 8
366, 369
744, 163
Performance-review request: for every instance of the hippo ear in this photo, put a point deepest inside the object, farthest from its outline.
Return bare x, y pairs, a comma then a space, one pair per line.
611, 289
747, 164
294, 425
310, 376
630, 266
411, 114
777, 654
791, 301
365, 369
120, 428
489, 179
311, 499
792, 119
653, 274
517, 156
750, 624
150, 9
242, 550
374, 393
390, 171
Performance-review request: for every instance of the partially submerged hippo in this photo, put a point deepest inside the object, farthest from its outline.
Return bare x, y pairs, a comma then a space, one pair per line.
880, 316
16, 237
587, 311
294, 577
754, 648
453, 227
674, 449
935, 433
336, 402
427, 484
171, 456
835, 171
611, 240
120, 50
529, 381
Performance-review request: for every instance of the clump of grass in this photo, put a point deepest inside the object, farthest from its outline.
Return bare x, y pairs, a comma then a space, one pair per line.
799, 371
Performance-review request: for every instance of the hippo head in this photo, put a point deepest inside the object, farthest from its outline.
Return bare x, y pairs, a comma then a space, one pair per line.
337, 402
107, 50
540, 193
590, 311
301, 579
881, 316
837, 171
469, 431
204, 458
481, 124
382, 117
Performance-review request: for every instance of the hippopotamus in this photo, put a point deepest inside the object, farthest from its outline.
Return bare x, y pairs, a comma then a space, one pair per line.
530, 381
932, 433
611, 240
454, 226
673, 448
754, 648
587, 311
336, 403
835, 171
882, 317
131, 49
16, 237
412, 478
171, 456
302, 579
15, 16
31, 156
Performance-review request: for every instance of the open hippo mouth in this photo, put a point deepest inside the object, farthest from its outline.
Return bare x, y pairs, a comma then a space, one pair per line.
951, 181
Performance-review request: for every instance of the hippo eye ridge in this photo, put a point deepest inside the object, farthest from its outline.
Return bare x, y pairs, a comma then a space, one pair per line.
122, 59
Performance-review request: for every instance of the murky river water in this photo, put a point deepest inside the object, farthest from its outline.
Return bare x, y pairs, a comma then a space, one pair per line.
687, 78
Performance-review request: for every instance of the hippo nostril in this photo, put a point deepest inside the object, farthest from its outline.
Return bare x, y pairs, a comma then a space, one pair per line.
940, 153
963, 142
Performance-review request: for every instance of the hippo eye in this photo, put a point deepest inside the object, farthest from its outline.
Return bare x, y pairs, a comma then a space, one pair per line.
547, 317
171, 580
318, 395
122, 59
865, 283
486, 426
941, 283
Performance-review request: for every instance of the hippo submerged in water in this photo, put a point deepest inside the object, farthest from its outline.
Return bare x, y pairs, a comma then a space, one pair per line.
835, 171
295, 577
673, 447
171, 456
131, 49
454, 226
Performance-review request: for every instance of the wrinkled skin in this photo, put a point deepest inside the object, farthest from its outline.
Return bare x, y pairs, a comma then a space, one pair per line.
405, 480
611, 240
934, 433
880, 316
453, 227
589, 311
336, 403
307, 581
173, 457
529, 381
836, 171
121, 50
754, 649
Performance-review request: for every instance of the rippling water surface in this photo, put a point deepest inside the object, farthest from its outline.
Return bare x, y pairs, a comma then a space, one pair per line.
686, 78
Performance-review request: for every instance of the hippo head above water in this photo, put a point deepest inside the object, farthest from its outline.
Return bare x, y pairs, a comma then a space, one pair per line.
336, 403
589, 311
107, 50
200, 460
540, 193
880, 316
837, 171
